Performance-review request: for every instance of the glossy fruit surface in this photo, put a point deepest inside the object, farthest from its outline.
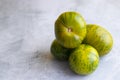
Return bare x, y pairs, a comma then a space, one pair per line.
59, 52
70, 29
99, 38
84, 59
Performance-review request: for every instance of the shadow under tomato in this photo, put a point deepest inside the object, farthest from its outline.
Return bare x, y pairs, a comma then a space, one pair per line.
47, 62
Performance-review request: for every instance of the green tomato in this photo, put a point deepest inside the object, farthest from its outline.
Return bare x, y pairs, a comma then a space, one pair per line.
84, 60
70, 29
59, 52
99, 38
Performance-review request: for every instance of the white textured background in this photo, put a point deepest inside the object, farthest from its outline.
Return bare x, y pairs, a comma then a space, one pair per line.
27, 30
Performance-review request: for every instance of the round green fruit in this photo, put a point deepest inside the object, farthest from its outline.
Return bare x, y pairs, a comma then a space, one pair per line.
99, 38
59, 52
84, 59
70, 29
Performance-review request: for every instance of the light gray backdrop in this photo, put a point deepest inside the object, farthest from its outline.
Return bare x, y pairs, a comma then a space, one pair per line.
27, 30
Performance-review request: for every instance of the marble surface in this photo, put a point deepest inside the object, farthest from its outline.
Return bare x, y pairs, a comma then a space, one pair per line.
27, 30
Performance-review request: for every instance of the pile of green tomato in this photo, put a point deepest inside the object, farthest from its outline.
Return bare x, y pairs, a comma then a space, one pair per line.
79, 43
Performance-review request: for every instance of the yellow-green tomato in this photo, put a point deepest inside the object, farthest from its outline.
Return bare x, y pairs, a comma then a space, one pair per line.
84, 60
70, 29
59, 52
99, 38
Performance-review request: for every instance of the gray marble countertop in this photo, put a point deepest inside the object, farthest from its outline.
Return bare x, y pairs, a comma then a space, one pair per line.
27, 30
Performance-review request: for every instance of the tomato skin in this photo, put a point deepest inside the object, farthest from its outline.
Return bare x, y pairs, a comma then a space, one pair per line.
70, 29
84, 60
59, 52
99, 38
